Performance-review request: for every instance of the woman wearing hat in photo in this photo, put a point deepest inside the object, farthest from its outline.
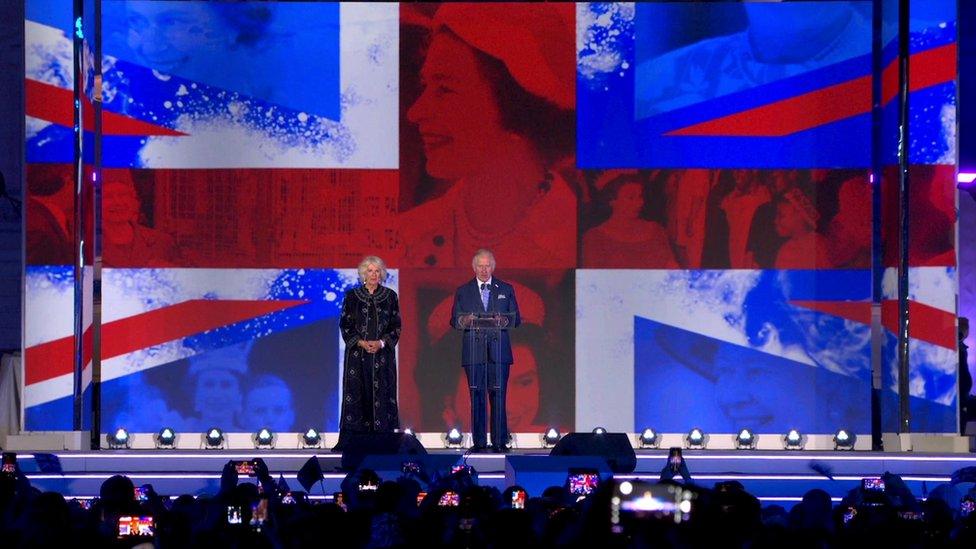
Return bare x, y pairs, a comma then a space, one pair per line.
496, 118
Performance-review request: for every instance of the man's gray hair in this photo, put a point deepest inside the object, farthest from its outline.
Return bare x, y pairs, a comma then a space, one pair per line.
483, 252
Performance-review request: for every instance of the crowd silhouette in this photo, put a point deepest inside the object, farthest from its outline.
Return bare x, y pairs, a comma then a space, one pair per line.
452, 510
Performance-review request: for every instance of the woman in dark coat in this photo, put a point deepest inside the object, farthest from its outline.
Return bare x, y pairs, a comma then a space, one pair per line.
370, 326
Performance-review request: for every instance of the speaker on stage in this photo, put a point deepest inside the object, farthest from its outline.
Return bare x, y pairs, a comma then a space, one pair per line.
614, 447
362, 445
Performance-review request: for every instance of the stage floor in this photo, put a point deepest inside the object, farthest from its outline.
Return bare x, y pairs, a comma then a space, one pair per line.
775, 477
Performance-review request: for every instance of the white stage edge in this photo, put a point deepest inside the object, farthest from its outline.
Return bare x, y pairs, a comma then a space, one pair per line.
80, 440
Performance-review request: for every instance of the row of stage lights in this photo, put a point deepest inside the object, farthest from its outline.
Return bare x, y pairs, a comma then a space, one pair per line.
745, 439
696, 439
213, 438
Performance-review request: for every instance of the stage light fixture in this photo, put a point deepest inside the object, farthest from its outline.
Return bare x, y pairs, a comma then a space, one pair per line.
550, 437
844, 440
696, 439
311, 439
454, 438
745, 440
165, 438
599, 431
214, 438
793, 440
649, 439
409, 431
264, 438
118, 439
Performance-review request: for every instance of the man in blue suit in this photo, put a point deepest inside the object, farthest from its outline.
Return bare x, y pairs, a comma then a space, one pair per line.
486, 354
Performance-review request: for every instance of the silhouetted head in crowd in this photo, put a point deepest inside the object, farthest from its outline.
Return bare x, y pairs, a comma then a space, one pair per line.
726, 516
117, 493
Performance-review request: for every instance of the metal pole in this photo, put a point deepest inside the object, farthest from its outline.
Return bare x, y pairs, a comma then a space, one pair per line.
904, 53
78, 361
877, 265
96, 327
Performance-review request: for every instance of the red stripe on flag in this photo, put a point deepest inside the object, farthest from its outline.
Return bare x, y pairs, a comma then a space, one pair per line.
54, 104
830, 104
926, 69
52, 359
926, 323
858, 311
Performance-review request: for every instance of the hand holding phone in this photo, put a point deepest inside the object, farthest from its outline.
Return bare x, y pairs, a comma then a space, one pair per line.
141, 493
410, 468
518, 498
259, 514
873, 484
911, 515
967, 506
260, 468
234, 514
131, 526
849, 513
245, 467
449, 499
9, 466
675, 459
369, 481
636, 501
582, 482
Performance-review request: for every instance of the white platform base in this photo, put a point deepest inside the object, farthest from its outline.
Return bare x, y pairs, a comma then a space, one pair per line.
79, 440
39, 441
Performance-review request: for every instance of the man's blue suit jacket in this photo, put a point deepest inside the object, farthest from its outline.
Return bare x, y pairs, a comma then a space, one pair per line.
482, 347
